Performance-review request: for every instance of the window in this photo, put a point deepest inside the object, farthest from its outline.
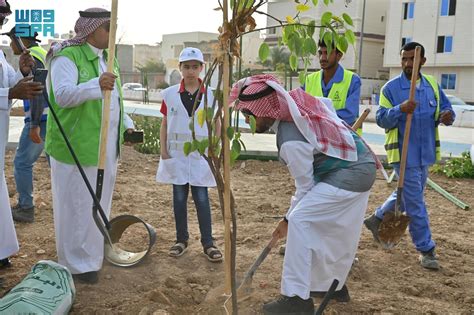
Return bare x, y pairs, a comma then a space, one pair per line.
445, 44
405, 40
448, 7
408, 10
448, 81
272, 31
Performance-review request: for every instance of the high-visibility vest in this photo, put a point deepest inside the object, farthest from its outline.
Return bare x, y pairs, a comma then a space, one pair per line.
338, 92
39, 53
391, 135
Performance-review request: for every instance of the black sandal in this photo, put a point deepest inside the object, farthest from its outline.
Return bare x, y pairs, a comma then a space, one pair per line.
178, 249
213, 254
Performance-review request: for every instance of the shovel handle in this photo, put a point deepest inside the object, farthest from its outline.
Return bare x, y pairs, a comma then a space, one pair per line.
406, 136
361, 119
108, 94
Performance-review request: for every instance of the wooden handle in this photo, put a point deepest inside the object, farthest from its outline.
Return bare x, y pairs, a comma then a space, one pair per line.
107, 95
361, 119
406, 136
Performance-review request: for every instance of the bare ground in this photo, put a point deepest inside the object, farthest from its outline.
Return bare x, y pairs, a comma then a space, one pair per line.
381, 282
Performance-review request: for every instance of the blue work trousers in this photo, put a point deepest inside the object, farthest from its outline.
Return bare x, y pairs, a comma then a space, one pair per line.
413, 203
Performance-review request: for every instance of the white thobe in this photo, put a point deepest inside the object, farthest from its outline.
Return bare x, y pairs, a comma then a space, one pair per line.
324, 225
79, 244
8, 240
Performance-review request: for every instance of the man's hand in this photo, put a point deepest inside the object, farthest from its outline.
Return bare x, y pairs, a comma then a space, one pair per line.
26, 63
107, 81
165, 155
408, 106
281, 229
35, 134
446, 117
25, 89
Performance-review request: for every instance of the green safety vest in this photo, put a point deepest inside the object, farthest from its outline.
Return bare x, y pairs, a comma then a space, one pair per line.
338, 92
391, 135
82, 123
38, 52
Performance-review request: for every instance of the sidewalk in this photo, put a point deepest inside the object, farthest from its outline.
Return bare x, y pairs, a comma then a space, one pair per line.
454, 140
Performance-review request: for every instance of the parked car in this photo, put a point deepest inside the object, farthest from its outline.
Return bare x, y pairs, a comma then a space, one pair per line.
133, 87
459, 103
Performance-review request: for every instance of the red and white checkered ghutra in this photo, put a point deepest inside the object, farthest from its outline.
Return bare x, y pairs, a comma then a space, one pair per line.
318, 124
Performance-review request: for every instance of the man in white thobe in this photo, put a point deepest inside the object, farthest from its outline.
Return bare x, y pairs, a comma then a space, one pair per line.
12, 85
333, 171
79, 244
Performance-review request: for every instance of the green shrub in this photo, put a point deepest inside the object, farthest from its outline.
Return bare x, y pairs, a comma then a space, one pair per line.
162, 85
151, 133
458, 167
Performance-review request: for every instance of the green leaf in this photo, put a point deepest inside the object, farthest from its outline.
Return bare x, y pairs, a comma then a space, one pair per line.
311, 28
348, 19
326, 2
337, 19
310, 45
195, 145
210, 114
263, 52
350, 36
299, 45
315, 2
292, 42
321, 33
342, 44
236, 146
201, 117
230, 133
253, 124
328, 40
326, 18
302, 7
302, 77
187, 148
293, 62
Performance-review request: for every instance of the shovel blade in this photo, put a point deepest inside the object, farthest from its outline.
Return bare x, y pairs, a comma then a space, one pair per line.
392, 229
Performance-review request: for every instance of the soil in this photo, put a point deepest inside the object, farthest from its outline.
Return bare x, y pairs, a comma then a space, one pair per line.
381, 282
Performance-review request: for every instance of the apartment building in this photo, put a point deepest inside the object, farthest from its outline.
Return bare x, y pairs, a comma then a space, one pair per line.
445, 29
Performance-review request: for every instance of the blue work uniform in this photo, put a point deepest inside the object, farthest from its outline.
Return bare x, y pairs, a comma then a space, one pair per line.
421, 150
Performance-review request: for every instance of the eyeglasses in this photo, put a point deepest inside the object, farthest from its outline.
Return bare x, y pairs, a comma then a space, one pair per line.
4, 21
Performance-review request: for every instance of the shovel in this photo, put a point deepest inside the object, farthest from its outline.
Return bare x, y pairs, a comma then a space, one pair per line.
245, 287
361, 119
394, 224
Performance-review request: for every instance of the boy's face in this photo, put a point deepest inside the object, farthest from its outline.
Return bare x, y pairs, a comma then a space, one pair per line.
191, 69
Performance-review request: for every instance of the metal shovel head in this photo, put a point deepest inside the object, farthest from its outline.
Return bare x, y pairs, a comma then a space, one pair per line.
123, 252
392, 229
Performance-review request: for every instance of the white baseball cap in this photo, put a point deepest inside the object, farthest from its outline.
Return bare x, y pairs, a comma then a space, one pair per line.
191, 53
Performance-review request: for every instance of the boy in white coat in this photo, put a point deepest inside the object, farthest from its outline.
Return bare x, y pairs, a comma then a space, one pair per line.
184, 171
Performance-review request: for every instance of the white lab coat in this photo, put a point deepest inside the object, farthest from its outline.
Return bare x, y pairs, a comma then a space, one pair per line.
79, 244
181, 169
8, 240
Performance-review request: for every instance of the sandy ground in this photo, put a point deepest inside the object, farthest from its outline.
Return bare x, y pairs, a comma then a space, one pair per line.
381, 282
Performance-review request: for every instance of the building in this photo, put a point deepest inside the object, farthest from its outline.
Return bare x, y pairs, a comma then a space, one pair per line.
447, 39
144, 53
373, 31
